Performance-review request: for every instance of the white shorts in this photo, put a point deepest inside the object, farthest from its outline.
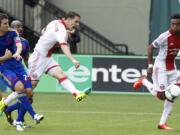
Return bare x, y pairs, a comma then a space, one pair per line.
163, 78
39, 64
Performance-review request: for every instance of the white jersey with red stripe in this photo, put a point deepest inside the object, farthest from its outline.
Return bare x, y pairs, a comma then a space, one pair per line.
54, 34
164, 69
167, 43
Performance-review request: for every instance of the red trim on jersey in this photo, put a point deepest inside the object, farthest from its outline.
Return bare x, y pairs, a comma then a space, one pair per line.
152, 46
51, 50
62, 21
63, 43
62, 79
27, 54
35, 80
170, 100
18, 42
173, 43
51, 68
169, 57
29, 78
13, 82
170, 31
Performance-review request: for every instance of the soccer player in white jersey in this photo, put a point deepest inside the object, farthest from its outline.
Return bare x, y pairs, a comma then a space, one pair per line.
41, 61
163, 71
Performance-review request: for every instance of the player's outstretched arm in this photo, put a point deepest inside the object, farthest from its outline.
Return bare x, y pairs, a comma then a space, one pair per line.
67, 52
17, 55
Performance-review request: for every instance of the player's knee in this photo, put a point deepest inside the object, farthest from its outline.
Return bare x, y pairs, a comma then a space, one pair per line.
19, 87
161, 95
29, 92
58, 74
34, 84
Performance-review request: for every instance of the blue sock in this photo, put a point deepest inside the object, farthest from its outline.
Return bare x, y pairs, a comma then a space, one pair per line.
21, 110
21, 113
26, 104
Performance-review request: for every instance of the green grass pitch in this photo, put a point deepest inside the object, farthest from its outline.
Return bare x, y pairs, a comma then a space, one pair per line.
98, 114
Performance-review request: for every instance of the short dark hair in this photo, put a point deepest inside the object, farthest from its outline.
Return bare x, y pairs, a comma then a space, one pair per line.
3, 16
71, 14
175, 16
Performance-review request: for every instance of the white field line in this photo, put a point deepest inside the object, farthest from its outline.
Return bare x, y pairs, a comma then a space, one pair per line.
107, 113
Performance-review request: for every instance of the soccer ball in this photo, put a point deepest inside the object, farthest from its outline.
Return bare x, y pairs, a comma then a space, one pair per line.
172, 92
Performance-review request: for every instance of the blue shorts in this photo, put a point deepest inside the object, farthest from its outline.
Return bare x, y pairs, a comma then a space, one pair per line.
3, 86
11, 77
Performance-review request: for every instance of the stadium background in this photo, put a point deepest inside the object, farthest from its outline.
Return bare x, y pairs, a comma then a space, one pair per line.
114, 108
124, 22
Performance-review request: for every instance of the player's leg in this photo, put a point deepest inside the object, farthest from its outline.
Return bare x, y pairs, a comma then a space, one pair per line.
18, 86
25, 79
168, 105
160, 82
143, 81
55, 71
34, 83
10, 109
27, 84
173, 78
25, 105
163, 82
64, 81
10, 79
36, 67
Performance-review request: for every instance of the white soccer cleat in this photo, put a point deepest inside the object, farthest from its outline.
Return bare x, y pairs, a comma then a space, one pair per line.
18, 125
38, 118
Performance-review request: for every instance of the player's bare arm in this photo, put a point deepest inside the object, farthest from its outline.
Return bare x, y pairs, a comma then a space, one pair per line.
150, 61
6, 56
26, 58
17, 55
67, 52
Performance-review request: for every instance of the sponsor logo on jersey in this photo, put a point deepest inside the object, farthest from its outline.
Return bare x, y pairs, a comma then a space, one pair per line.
171, 43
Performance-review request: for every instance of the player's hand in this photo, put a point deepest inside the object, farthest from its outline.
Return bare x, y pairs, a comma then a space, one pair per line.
149, 72
17, 56
8, 54
76, 63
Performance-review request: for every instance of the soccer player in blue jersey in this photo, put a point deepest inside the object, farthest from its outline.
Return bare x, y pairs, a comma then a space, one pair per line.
12, 71
17, 25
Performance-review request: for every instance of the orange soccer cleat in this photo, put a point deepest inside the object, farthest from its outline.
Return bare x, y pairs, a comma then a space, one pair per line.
165, 127
138, 83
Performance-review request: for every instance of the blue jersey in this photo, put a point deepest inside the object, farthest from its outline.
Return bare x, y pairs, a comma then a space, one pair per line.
13, 63
7, 41
13, 70
25, 47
